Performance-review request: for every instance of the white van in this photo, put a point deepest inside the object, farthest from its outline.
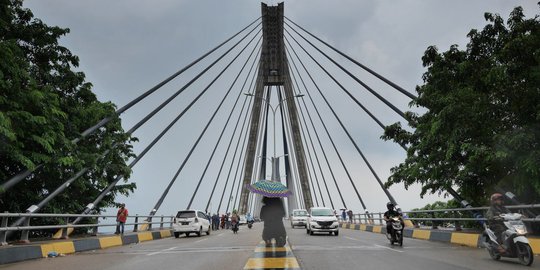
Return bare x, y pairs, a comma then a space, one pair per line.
322, 219
191, 221
299, 218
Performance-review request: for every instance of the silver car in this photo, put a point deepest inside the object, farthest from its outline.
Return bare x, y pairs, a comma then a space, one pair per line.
191, 221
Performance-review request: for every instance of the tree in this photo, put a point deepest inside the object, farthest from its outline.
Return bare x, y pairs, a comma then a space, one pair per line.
481, 127
44, 105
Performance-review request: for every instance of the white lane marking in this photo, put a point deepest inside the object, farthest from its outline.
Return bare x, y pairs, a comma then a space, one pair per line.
161, 251
192, 250
352, 238
221, 234
389, 248
204, 239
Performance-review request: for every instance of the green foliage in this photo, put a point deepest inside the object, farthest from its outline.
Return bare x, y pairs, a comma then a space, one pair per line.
438, 205
482, 125
44, 105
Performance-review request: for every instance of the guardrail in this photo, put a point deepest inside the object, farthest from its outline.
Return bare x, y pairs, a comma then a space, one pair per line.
6, 229
377, 218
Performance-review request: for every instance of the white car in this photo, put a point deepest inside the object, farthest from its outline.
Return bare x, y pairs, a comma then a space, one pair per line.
322, 219
299, 218
191, 221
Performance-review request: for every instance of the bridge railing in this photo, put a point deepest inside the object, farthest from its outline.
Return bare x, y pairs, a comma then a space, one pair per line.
136, 221
455, 221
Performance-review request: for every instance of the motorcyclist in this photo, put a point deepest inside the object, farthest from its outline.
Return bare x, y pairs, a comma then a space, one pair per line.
249, 218
496, 222
388, 215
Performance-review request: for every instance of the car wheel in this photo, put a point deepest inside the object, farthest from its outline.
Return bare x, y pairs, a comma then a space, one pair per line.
187, 234
336, 233
208, 232
176, 234
199, 232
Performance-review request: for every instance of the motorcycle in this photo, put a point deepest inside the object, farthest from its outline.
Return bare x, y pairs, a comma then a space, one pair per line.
396, 235
234, 225
250, 224
514, 242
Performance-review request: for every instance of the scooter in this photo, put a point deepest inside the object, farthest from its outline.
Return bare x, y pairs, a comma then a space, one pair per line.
396, 235
234, 226
514, 242
250, 224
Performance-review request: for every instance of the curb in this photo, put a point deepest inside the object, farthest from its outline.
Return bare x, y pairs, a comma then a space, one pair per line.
465, 239
11, 254
272, 258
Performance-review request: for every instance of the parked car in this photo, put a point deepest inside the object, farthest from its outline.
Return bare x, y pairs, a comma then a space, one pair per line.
191, 221
322, 219
299, 218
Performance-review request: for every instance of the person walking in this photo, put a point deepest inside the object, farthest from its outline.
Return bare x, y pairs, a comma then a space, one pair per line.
121, 217
272, 213
343, 216
350, 214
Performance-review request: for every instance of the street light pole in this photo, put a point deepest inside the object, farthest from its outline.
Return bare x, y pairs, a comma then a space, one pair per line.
274, 110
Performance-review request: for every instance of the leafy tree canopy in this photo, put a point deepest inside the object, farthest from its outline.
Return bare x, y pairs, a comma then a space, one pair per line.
482, 125
44, 105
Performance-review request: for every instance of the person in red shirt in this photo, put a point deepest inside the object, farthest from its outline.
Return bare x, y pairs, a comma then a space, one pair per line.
121, 218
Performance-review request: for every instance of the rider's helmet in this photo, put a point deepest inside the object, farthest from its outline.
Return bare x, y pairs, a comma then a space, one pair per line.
496, 196
390, 206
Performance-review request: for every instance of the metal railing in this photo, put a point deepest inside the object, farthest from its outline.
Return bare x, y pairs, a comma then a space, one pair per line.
136, 222
456, 220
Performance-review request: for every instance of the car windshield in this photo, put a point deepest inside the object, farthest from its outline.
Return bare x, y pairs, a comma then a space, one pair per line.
185, 214
322, 212
300, 213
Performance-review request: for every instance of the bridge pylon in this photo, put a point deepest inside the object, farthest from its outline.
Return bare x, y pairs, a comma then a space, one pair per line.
273, 74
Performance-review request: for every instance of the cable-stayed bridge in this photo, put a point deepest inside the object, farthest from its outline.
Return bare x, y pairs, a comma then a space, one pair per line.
274, 114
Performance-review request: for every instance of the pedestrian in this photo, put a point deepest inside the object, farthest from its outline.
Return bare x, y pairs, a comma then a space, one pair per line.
343, 215
121, 217
215, 221
228, 220
272, 213
350, 214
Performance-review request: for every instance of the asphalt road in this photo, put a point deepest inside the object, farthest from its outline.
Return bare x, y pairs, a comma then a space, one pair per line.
223, 250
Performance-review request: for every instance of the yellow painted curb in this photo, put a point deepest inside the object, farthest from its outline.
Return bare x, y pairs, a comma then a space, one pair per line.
111, 241
467, 239
421, 234
535, 245
363, 227
377, 229
60, 247
145, 236
165, 233
279, 263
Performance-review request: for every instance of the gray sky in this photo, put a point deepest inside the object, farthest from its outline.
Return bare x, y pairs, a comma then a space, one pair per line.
126, 47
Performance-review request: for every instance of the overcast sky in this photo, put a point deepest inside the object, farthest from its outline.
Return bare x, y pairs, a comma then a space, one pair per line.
126, 47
